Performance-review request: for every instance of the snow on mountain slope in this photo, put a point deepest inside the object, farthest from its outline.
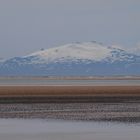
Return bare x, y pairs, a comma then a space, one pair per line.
89, 58
80, 51
88, 51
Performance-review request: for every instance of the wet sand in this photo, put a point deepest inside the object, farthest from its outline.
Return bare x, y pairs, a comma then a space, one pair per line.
86, 103
120, 112
69, 91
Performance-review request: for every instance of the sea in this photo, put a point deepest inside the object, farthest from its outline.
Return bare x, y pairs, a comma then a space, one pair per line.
18, 129
62, 82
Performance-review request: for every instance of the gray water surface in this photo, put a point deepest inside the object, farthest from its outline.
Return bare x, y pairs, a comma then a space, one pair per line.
14, 129
47, 82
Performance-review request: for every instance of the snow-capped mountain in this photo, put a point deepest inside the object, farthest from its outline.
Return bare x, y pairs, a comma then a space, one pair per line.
77, 59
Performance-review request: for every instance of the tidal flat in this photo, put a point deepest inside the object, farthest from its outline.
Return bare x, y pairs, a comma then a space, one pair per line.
70, 112
86, 103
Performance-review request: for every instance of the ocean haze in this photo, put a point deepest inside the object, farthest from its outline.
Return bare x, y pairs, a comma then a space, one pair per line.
27, 26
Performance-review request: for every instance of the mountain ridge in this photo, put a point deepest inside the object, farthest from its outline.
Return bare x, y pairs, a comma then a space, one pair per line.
85, 59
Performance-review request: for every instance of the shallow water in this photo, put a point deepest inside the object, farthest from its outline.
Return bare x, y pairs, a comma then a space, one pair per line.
18, 129
43, 82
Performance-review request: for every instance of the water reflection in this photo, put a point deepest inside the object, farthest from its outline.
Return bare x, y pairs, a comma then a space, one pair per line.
64, 130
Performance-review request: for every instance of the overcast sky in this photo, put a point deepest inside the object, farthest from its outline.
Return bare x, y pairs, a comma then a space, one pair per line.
29, 25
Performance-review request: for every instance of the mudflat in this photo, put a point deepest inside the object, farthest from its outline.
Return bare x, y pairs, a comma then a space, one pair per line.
69, 90
92, 103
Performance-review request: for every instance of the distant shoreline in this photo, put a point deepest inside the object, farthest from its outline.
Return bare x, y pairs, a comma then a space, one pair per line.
133, 77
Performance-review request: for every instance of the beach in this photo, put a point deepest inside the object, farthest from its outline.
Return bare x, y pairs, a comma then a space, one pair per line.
60, 112
20, 91
86, 103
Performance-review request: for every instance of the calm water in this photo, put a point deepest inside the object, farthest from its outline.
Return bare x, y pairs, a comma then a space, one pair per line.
12, 129
43, 82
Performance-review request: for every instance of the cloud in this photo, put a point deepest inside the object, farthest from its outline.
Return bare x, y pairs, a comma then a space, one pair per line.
135, 49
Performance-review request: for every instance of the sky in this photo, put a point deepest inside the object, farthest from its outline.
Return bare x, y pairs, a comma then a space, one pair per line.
29, 25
